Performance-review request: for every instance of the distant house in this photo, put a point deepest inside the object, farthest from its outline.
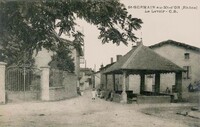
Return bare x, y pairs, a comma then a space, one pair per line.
104, 81
184, 55
100, 79
97, 79
86, 78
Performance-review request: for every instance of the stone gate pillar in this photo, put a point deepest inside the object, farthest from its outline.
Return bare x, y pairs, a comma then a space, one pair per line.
45, 84
2, 83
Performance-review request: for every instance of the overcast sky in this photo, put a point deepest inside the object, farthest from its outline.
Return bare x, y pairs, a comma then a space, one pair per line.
183, 26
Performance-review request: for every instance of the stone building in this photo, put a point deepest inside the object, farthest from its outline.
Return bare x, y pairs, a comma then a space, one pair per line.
184, 55
86, 78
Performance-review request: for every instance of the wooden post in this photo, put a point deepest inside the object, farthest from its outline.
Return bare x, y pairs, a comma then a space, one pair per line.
199, 102
142, 82
157, 83
127, 81
106, 85
114, 82
178, 84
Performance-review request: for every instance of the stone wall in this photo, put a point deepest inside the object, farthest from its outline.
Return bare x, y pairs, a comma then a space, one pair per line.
193, 97
116, 97
97, 80
57, 93
69, 83
67, 90
20, 96
153, 99
176, 55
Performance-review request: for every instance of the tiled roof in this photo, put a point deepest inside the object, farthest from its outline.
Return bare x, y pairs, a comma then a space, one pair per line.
107, 66
142, 58
177, 44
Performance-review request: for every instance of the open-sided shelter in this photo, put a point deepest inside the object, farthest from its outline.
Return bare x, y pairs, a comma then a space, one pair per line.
142, 60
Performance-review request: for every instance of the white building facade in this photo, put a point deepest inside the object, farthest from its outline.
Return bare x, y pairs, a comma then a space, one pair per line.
185, 56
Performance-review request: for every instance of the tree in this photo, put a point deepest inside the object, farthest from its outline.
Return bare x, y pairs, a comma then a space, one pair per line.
62, 59
33, 24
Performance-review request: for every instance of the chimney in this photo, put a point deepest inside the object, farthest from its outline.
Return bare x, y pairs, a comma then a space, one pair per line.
101, 65
133, 46
139, 42
119, 57
111, 60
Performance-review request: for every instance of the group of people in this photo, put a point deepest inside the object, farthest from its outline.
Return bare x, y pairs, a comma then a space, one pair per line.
102, 94
167, 90
194, 87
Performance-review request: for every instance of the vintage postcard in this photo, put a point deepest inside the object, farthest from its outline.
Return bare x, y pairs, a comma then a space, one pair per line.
100, 63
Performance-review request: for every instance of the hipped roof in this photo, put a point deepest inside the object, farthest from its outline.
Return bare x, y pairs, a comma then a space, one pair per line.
142, 59
172, 42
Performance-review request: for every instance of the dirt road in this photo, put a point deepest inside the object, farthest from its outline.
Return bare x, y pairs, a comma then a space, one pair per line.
81, 111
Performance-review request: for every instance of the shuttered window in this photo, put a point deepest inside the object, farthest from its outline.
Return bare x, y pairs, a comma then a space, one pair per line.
187, 74
187, 56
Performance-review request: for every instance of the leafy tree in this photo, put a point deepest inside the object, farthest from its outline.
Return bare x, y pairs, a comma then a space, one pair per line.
62, 59
31, 25
13, 54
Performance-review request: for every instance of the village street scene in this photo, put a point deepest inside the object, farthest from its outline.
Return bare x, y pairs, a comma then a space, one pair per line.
94, 63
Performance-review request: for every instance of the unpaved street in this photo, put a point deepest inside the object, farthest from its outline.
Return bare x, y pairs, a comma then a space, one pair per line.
82, 112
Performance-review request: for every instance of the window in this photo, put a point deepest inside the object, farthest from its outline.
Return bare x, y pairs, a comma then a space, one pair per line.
187, 56
187, 73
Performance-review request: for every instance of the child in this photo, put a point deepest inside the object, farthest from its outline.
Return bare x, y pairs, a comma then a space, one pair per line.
93, 94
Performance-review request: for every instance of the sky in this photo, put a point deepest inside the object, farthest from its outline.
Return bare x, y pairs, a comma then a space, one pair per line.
182, 26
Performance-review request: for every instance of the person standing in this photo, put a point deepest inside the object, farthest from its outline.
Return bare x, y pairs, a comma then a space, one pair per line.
167, 90
93, 94
190, 88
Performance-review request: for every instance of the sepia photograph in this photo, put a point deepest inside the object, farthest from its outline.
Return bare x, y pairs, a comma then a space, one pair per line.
99, 63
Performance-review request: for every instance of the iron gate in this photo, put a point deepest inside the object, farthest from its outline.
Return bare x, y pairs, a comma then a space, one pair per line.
22, 84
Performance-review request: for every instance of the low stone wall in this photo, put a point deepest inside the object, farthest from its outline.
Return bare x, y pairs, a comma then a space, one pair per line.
57, 93
69, 83
116, 97
18, 96
193, 97
66, 90
153, 99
